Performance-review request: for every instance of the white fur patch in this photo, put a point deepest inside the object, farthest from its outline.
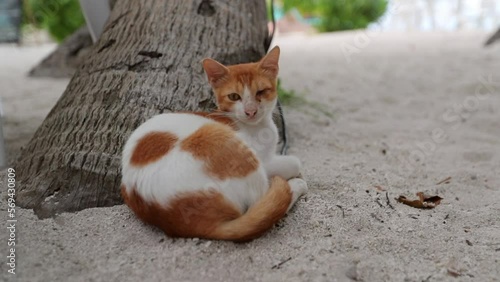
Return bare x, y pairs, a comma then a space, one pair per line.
179, 171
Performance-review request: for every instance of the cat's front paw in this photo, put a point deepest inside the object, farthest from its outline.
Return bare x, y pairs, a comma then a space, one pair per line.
298, 186
287, 167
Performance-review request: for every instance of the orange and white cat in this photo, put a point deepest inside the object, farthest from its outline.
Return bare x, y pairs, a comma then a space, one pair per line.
215, 175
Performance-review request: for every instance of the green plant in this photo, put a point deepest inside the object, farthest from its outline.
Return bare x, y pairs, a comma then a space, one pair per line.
305, 7
337, 15
353, 14
291, 98
288, 97
59, 17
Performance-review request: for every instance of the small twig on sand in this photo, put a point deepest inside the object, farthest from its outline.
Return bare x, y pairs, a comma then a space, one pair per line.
446, 180
342, 209
277, 266
454, 273
388, 201
378, 202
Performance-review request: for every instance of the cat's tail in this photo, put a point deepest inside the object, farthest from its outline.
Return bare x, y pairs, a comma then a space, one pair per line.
260, 217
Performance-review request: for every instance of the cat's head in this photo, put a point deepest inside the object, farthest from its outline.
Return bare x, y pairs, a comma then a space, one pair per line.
247, 91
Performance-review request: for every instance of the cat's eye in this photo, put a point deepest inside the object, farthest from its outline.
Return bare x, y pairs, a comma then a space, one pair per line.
234, 97
262, 92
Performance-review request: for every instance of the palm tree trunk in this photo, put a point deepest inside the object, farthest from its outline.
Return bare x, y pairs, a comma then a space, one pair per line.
146, 62
68, 56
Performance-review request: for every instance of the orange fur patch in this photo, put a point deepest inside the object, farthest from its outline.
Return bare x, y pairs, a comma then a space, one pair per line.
151, 147
224, 154
218, 117
194, 214
207, 214
261, 216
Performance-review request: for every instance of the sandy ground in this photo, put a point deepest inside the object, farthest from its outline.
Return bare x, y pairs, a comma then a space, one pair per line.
403, 112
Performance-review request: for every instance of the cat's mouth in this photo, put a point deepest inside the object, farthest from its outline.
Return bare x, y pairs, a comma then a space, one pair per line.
251, 120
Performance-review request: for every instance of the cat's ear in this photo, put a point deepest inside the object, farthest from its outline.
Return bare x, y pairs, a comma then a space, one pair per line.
216, 72
269, 64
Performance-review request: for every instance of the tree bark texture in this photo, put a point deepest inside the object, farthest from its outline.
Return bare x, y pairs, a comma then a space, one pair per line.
112, 4
64, 61
147, 61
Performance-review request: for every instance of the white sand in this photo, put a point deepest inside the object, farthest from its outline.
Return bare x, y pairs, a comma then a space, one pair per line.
391, 96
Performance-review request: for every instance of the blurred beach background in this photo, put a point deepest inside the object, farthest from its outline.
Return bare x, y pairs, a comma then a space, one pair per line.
363, 125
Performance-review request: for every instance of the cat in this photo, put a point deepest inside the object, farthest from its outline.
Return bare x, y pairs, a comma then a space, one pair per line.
215, 175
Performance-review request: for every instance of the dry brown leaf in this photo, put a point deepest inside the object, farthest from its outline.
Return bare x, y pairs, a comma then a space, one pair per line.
379, 188
423, 201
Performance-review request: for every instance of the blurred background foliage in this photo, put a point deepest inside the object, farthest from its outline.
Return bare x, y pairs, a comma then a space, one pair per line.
336, 15
62, 17
59, 17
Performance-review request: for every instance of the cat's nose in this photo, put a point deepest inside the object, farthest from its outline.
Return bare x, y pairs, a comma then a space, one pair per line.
251, 113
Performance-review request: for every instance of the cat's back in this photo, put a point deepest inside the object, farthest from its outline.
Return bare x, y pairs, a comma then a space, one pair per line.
179, 124
178, 152
159, 135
